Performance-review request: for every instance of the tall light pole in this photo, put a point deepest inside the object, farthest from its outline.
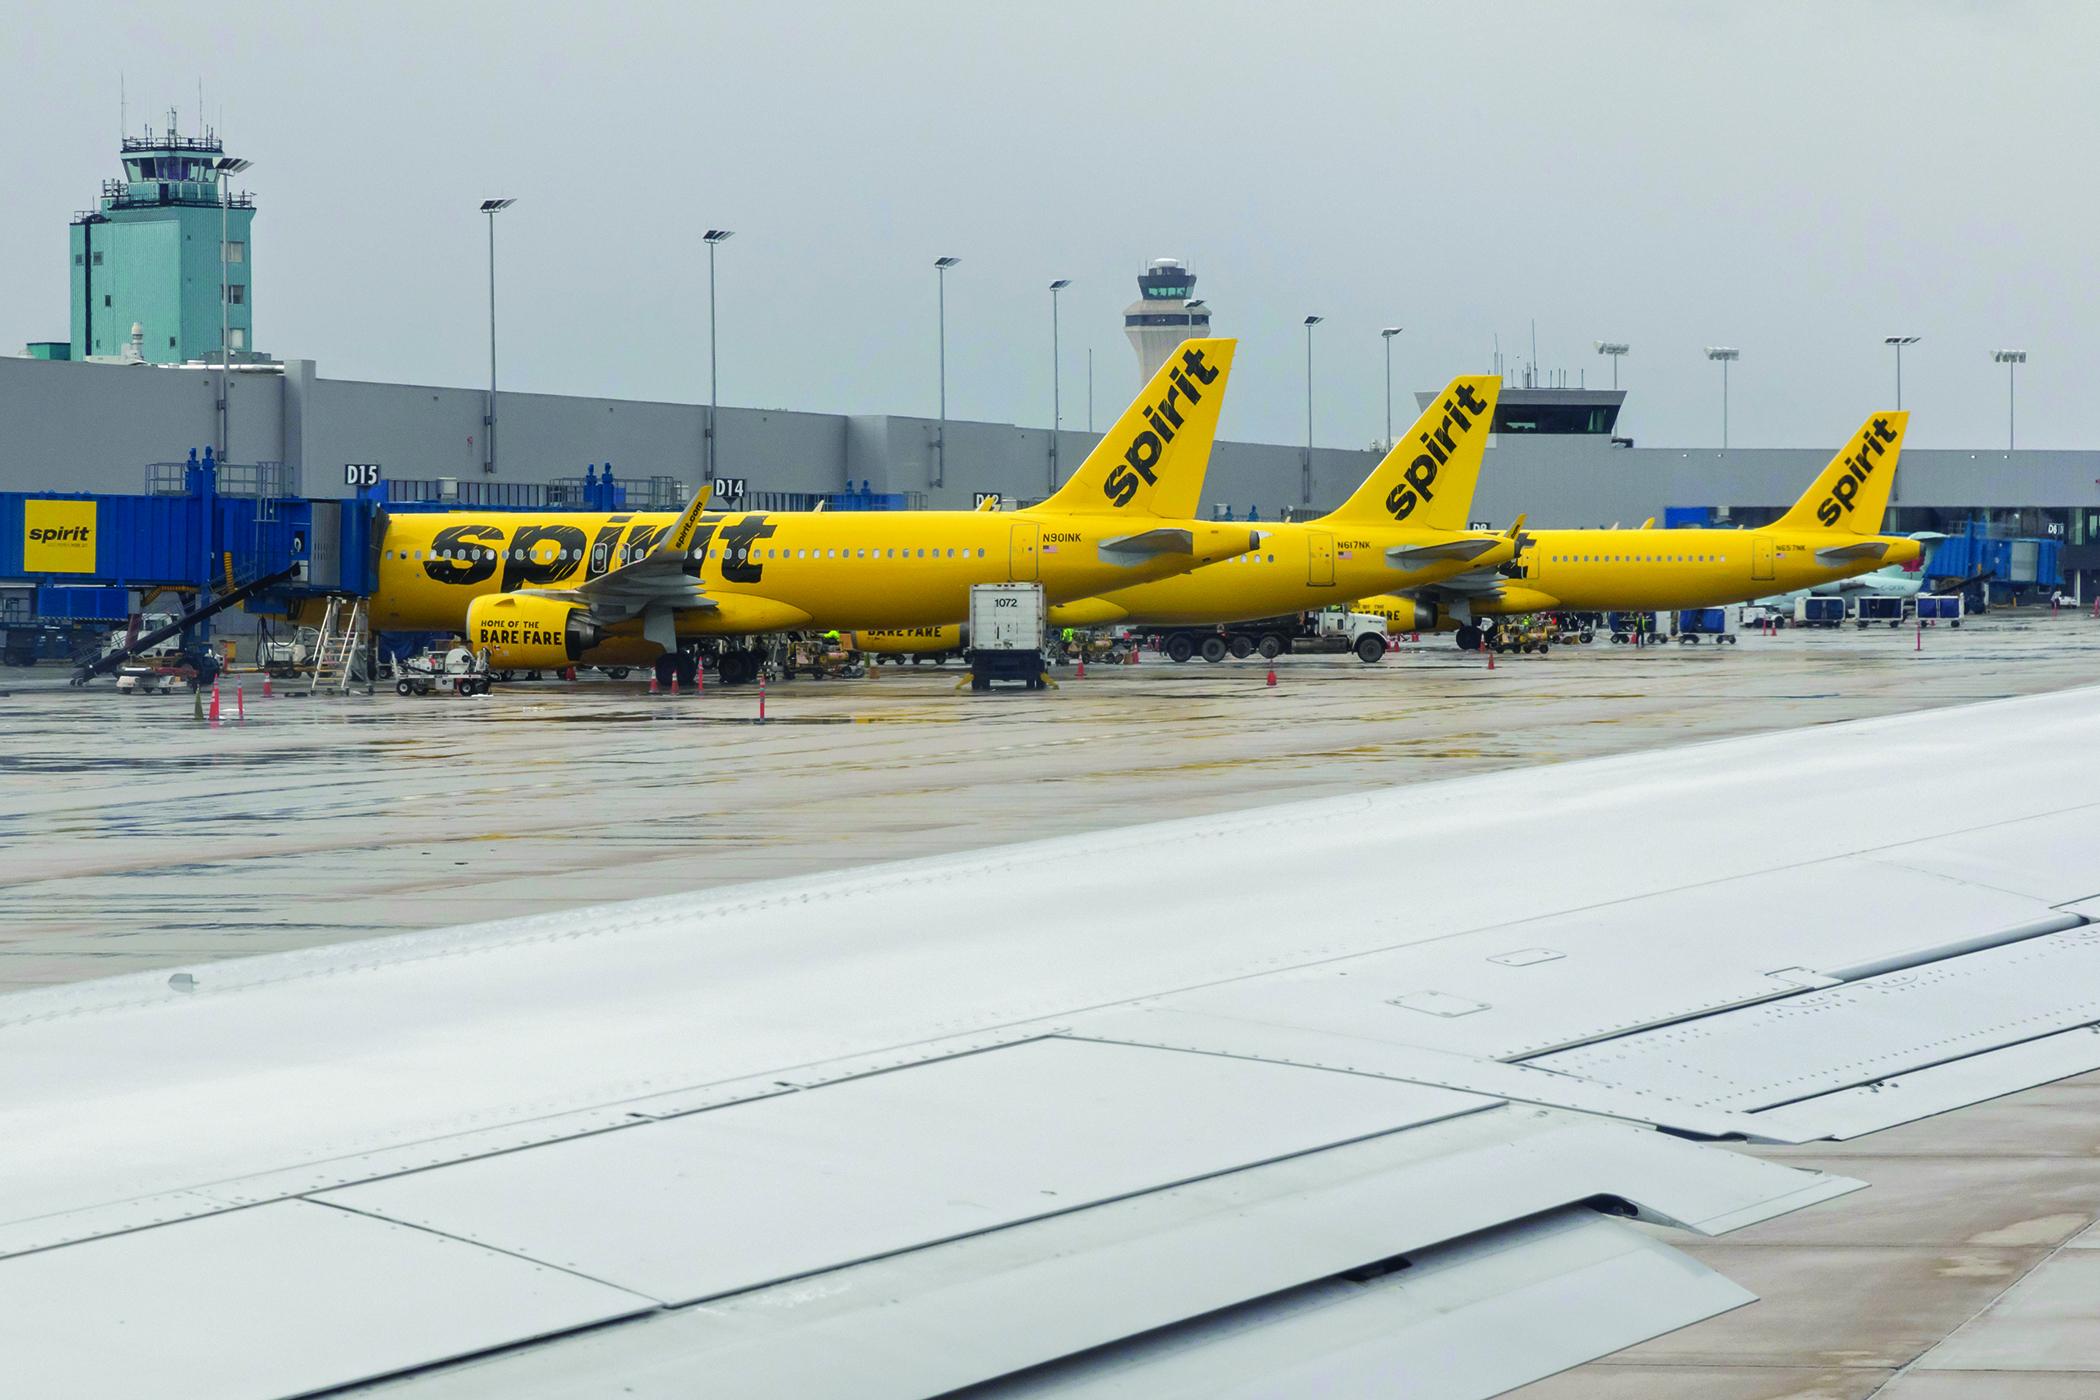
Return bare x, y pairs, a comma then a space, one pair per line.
940, 439
1387, 335
715, 238
1613, 348
491, 207
1056, 406
1896, 343
226, 166
1723, 353
2011, 359
1305, 477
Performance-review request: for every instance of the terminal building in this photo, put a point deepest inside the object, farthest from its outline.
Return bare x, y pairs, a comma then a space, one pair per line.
84, 420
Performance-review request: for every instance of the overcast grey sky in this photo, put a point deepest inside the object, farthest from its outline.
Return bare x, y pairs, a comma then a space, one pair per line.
1795, 179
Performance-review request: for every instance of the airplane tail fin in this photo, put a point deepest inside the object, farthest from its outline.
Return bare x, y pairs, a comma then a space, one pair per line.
1852, 494
1428, 477
1153, 458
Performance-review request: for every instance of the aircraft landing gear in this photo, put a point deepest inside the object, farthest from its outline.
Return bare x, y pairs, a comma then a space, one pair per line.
666, 668
688, 669
1468, 637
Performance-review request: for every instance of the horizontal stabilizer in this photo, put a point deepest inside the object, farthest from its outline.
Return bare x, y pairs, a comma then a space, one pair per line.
1850, 553
1418, 556
1148, 544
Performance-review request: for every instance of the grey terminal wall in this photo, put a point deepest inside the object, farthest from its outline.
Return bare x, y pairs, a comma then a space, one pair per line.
71, 426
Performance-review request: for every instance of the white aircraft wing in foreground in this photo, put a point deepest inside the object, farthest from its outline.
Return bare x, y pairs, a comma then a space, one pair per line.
918, 1128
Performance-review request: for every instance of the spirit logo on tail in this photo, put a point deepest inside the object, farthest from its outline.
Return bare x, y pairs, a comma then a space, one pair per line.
1418, 481
1144, 450
1858, 467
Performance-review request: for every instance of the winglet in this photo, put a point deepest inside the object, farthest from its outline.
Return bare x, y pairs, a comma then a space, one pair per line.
1852, 494
1434, 465
680, 538
1517, 525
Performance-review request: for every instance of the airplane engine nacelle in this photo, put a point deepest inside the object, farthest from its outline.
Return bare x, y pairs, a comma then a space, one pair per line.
907, 641
1403, 614
529, 633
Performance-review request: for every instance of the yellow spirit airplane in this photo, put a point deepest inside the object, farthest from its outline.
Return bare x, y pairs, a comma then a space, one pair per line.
1832, 532
1404, 527
553, 590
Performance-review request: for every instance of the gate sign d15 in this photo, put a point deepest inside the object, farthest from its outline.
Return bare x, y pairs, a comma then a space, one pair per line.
361, 474
728, 488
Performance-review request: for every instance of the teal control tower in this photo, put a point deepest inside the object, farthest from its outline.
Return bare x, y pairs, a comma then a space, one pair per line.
156, 252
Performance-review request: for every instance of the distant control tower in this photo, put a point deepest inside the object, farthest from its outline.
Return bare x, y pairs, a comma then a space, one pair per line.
150, 254
1165, 313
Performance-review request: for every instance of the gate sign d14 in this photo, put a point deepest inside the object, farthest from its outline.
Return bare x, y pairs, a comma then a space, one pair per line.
728, 488
362, 474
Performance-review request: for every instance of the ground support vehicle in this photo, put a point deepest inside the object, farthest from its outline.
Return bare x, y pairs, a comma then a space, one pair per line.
820, 658
24, 643
1530, 634
1814, 611
1644, 628
167, 671
461, 671
1329, 630
1006, 634
1873, 609
285, 657
1694, 624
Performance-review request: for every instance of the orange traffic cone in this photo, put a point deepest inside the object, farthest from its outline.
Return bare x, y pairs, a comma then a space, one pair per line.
761, 698
214, 702
240, 702
266, 685
654, 686
1272, 675
1081, 675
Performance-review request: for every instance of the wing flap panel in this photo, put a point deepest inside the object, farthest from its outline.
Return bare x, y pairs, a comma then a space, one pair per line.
736, 1198
930, 1321
252, 1305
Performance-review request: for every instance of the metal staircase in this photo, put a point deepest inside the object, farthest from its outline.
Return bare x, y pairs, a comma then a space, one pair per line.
343, 655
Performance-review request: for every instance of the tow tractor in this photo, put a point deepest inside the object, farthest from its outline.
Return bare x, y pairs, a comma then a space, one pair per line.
1328, 630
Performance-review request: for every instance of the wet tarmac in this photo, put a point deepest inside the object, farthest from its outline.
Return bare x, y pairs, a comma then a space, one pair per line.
133, 836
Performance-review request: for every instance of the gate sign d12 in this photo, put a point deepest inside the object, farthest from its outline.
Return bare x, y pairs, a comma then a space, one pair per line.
981, 497
728, 488
362, 474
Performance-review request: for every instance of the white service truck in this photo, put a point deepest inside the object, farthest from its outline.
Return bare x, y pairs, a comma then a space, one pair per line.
1006, 634
1328, 630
